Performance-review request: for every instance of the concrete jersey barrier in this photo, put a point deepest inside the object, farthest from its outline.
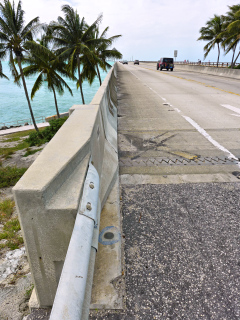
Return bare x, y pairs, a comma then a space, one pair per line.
48, 194
222, 72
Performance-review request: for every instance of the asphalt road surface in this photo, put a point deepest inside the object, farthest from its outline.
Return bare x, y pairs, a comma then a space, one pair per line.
179, 139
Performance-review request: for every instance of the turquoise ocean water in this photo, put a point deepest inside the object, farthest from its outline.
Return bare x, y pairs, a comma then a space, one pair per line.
13, 102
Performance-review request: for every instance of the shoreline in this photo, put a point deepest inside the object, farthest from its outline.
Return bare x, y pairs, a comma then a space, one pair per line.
22, 128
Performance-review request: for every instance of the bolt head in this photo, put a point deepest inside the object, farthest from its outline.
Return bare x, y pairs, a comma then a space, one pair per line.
88, 206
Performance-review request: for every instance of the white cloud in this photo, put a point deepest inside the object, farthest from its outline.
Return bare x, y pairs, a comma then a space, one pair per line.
150, 28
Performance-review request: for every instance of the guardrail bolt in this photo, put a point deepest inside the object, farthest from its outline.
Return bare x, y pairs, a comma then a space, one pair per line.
88, 206
91, 185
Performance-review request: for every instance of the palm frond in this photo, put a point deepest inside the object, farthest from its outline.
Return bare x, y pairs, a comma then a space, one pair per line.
37, 85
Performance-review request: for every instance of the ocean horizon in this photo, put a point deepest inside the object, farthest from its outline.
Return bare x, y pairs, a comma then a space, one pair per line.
13, 103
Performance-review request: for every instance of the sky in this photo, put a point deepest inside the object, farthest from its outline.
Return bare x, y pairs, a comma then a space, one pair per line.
150, 29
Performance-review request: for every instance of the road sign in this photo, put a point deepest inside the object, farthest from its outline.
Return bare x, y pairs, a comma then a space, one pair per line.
175, 53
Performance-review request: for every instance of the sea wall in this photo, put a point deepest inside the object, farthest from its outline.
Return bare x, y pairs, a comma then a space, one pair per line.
48, 194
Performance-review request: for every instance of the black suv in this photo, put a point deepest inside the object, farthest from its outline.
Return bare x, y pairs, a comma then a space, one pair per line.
165, 63
136, 62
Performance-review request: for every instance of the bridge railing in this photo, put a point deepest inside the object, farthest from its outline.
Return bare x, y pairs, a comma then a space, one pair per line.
207, 64
48, 195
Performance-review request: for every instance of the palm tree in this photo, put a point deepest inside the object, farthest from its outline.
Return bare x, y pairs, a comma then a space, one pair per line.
102, 51
72, 36
2, 75
232, 32
14, 35
212, 33
44, 62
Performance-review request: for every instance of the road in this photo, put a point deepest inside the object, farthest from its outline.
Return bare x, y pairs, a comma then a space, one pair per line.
178, 137
193, 116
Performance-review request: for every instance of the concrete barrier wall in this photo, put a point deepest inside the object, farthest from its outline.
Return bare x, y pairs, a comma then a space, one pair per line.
48, 194
222, 72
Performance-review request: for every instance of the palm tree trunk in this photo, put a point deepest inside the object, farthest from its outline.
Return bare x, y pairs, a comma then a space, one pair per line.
55, 98
80, 79
236, 59
234, 49
99, 77
218, 54
26, 93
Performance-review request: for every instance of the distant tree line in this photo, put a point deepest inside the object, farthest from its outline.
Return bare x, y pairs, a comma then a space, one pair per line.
67, 47
224, 32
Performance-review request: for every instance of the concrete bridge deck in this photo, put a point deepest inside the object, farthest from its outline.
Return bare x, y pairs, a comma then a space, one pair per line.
178, 142
180, 194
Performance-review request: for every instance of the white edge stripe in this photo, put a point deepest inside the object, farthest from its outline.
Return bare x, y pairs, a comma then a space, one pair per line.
210, 139
228, 106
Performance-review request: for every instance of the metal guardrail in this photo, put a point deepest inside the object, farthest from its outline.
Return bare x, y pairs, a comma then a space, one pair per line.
71, 301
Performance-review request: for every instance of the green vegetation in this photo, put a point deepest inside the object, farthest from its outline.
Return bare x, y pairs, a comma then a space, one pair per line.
6, 210
9, 233
6, 152
223, 31
29, 291
18, 135
34, 139
9, 176
37, 139
11, 226
30, 152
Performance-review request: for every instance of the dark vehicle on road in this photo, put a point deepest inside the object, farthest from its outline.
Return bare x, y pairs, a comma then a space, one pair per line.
165, 63
125, 62
136, 62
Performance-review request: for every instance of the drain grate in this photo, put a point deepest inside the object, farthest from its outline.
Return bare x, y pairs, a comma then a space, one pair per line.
142, 162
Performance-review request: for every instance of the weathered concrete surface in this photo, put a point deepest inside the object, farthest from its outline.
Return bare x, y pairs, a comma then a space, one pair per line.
221, 72
48, 195
107, 287
180, 200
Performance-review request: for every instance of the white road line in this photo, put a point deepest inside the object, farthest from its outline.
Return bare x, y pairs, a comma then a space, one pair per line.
228, 106
201, 130
236, 115
148, 87
210, 139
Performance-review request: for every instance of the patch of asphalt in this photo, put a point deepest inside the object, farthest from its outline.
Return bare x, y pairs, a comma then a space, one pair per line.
181, 252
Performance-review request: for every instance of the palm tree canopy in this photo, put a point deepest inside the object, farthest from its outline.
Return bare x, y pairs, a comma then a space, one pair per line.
73, 36
211, 33
102, 53
14, 34
47, 65
102, 50
231, 33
